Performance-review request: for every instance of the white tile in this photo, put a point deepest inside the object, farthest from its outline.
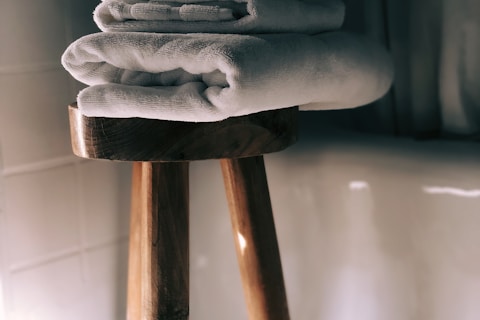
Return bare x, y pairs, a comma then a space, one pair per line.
108, 281
32, 32
48, 291
34, 119
60, 291
106, 199
41, 214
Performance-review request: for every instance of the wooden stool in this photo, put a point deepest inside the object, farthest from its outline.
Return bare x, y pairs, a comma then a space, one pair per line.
158, 277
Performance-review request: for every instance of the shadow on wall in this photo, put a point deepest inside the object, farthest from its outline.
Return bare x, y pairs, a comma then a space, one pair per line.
366, 17
435, 48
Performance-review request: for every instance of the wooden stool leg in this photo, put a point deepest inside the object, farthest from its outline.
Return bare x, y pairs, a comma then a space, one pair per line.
134, 293
158, 277
255, 238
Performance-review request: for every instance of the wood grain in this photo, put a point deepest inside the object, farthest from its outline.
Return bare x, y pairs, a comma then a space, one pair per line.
159, 258
255, 238
134, 290
135, 139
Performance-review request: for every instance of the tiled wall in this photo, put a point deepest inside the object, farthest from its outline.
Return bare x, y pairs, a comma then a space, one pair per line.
64, 221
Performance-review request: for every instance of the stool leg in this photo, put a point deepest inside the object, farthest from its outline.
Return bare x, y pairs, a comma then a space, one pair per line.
158, 277
255, 238
134, 294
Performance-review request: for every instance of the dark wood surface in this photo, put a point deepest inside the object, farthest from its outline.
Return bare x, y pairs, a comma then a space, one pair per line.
158, 284
136, 139
255, 238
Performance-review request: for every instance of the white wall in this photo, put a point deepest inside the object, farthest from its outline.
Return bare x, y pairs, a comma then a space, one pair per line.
63, 224
369, 227
379, 228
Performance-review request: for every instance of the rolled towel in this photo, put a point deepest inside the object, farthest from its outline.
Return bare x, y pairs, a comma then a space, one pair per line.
210, 77
221, 16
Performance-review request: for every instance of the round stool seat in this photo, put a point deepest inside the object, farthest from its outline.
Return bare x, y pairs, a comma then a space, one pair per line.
136, 139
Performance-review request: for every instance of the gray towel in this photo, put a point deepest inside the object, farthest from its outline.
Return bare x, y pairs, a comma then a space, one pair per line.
221, 16
209, 77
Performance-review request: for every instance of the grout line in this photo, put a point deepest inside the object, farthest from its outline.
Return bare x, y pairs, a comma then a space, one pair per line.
41, 165
59, 255
46, 259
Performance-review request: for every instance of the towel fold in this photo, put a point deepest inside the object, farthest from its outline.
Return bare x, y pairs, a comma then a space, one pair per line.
209, 77
221, 16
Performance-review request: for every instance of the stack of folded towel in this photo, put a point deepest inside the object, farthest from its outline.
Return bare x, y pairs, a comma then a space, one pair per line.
154, 60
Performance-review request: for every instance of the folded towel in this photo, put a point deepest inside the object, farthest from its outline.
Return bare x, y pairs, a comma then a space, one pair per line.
209, 77
221, 16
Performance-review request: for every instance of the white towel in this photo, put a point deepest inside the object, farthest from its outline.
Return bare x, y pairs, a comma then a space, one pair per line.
221, 16
209, 77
